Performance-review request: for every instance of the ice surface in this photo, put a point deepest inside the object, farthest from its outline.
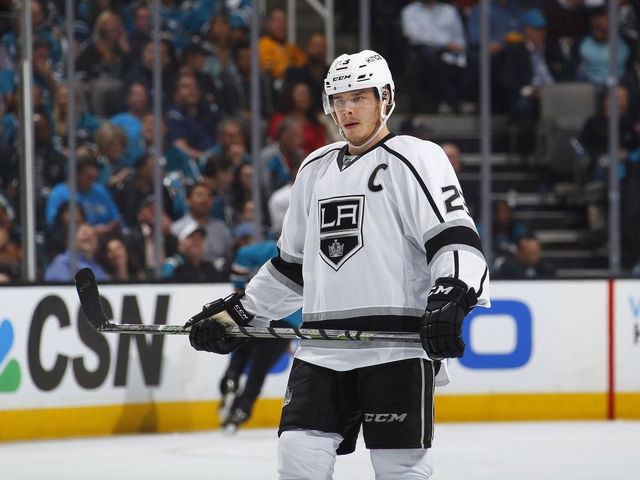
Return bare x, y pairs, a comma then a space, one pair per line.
469, 451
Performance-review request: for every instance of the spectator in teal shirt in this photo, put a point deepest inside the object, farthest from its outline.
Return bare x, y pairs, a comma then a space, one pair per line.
100, 210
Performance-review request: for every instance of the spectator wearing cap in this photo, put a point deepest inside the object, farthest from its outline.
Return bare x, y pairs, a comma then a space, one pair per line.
276, 54
87, 245
140, 238
218, 243
526, 67
98, 205
189, 265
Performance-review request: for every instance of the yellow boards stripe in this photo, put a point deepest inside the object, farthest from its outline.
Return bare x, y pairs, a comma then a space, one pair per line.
186, 416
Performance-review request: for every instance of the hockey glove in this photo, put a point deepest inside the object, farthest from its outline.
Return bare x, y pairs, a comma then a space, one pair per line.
441, 333
208, 328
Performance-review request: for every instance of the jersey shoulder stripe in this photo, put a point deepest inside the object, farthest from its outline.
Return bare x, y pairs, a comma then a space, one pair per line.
320, 154
418, 178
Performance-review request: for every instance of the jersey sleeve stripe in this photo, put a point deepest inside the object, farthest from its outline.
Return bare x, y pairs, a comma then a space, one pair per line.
456, 264
288, 274
456, 235
484, 277
443, 226
418, 179
289, 258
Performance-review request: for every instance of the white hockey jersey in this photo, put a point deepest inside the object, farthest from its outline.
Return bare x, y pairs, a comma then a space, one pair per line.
363, 242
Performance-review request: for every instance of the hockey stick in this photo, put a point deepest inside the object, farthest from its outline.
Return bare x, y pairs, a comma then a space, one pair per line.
87, 288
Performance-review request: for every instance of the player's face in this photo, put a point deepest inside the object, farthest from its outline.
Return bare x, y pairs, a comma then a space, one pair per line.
358, 114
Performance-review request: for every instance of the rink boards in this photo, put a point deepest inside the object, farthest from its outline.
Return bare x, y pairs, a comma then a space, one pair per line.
542, 352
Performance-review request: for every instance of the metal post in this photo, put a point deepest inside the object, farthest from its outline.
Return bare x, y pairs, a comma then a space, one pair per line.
71, 133
365, 24
256, 131
291, 21
28, 210
614, 142
158, 236
330, 31
485, 131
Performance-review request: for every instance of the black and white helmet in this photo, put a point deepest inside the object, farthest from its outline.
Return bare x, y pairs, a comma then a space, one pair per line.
365, 69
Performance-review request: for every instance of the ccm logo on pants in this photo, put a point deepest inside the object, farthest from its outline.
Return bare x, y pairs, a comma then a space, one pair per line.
384, 417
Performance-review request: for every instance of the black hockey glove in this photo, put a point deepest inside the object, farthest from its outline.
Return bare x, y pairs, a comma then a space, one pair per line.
208, 328
441, 333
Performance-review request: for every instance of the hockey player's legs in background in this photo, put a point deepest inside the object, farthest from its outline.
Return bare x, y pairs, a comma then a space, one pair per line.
324, 410
230, 382
261, 355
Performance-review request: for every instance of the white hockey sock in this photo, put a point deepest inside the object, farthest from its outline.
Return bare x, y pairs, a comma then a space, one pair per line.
307, 455
404, 463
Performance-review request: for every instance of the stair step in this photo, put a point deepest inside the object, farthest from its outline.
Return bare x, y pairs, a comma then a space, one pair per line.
561, 236
583, 272
529, 199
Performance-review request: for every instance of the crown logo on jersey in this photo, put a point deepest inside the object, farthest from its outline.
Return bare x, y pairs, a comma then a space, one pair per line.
336, 249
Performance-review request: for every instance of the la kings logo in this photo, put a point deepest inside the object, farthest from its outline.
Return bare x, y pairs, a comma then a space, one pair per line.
340, 228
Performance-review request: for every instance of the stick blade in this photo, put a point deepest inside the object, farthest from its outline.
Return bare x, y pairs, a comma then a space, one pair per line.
87, 289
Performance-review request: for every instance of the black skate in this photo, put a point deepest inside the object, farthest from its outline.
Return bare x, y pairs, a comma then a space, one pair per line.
229, 388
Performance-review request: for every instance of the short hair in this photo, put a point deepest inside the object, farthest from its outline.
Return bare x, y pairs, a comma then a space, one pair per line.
527, 236
109, 132
226, 121
191, 188
285, 125
84, 162
141, 161
242, 45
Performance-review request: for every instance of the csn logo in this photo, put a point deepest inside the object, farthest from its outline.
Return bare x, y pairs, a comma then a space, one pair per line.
9, 370
513, 316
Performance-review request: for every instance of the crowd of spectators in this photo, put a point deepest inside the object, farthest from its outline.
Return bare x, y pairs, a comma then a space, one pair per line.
207, 187
535, 44
207, 170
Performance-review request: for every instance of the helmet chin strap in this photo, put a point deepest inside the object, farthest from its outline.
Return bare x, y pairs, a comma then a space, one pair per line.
377, 132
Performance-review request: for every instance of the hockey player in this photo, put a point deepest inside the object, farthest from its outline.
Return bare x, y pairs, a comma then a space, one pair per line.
376, 230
